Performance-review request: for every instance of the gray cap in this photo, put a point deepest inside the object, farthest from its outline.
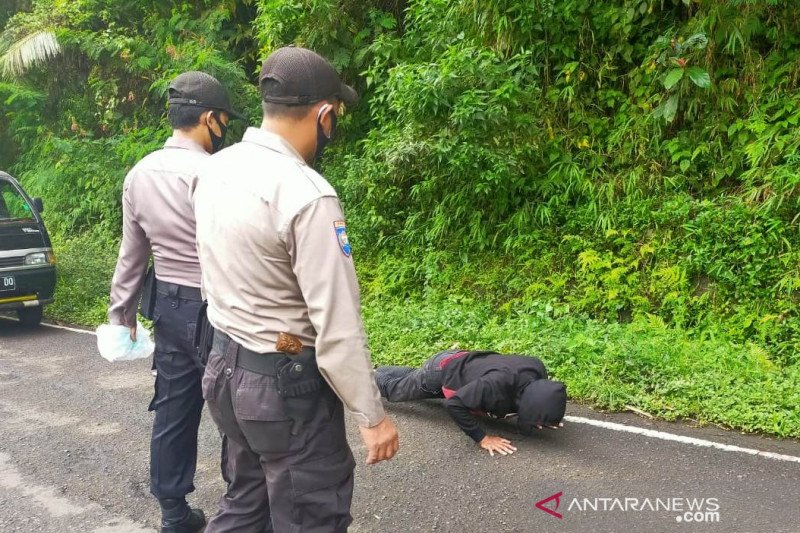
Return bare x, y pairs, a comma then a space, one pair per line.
298, 76
199, 89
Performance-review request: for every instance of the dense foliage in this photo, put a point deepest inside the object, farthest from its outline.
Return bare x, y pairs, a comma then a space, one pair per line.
631, 161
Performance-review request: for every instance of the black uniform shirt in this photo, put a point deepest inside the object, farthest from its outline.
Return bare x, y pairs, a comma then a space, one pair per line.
486, 382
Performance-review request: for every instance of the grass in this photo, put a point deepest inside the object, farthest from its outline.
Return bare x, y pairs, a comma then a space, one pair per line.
666, 372
662, 371
85, 266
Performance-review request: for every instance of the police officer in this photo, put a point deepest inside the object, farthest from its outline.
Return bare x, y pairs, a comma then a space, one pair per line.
289, 348
481, 382
158, 219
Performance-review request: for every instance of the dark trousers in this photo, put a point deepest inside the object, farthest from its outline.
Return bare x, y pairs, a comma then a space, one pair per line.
289, 476
178, 399
403, 383
245, 506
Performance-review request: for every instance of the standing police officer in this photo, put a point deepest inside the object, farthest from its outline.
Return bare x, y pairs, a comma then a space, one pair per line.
289, 347
158, 219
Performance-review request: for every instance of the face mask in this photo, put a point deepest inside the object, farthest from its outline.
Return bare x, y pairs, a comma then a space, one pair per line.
322, 139
217, 140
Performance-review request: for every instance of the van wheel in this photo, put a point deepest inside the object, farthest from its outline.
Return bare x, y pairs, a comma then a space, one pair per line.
30, 316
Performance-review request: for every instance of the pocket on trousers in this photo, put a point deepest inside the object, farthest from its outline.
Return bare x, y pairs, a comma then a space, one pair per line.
320, 474
211, 376
263, 421
152, 406
191, 329
323, 492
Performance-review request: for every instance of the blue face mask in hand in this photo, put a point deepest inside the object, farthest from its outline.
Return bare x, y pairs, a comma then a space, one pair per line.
322, 139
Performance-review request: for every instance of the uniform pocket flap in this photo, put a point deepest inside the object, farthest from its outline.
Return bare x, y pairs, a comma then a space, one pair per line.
260, 403
322, 473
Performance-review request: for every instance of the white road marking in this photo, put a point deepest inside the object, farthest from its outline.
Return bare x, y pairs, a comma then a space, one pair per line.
619, 427
65, 328
53, 326
680, 438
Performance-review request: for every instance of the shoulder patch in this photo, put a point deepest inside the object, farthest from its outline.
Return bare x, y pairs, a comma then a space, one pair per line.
341, 236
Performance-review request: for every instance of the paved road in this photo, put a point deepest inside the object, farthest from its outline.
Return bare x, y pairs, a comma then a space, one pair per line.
74, 449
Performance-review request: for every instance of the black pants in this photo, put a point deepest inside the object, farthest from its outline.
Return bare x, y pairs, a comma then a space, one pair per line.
292, 477
403, 383
178, 399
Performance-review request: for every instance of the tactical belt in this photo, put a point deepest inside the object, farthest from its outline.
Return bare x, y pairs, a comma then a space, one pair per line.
181, 291
265, 364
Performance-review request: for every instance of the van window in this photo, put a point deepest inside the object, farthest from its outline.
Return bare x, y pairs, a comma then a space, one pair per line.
12, 204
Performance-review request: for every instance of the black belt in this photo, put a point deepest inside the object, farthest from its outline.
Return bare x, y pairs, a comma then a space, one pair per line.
265, 364
166, 288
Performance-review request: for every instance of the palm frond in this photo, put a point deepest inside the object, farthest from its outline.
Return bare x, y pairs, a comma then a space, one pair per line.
29, 51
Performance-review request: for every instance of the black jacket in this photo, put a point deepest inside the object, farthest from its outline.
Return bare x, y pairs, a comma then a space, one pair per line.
486, 383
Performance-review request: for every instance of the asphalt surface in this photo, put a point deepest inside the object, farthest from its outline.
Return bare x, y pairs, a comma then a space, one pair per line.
74, 437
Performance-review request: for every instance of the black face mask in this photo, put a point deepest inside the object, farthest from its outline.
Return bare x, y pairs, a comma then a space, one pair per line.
217, 140
322, 139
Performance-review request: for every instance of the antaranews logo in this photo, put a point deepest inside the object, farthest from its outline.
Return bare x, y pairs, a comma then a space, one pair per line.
542, 504
687, 510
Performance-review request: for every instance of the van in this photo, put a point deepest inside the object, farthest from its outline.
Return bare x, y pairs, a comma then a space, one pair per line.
27, 263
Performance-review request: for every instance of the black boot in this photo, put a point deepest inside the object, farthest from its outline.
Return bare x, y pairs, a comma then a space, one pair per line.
178, 517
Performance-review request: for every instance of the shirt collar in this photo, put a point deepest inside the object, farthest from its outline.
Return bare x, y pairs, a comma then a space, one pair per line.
272, 141
184, 143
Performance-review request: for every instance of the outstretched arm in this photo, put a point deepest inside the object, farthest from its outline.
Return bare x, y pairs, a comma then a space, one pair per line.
460, 406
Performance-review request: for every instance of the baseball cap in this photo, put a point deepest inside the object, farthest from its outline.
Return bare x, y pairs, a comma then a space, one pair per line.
297, 76
199, 89
543, 403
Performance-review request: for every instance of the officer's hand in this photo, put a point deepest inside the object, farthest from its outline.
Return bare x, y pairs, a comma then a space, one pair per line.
133, 333
493, 443
382, 441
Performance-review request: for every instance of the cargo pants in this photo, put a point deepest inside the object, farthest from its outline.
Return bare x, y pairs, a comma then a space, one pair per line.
404, 383
178, 400
296, 477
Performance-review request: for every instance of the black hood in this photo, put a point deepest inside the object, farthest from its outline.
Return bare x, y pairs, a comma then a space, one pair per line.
543, 403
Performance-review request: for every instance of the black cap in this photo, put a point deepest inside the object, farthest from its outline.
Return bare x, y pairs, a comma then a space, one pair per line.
199, 89
543, 403
298, 76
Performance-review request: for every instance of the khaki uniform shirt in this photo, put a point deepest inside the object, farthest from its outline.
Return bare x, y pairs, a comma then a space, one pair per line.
157, 216
275, 257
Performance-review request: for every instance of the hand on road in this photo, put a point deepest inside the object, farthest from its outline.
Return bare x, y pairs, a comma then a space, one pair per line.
382, 441
493, 443
133, 333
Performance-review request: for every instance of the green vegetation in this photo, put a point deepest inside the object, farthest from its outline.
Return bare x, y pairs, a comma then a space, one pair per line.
644, 365
612, 185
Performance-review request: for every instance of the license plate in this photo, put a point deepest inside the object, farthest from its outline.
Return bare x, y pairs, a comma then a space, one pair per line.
7, 283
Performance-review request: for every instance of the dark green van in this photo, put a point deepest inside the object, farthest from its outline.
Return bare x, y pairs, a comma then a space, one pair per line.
27, 263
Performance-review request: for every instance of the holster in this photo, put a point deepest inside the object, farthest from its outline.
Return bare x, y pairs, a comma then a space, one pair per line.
147, 304
203, 336
300, 384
